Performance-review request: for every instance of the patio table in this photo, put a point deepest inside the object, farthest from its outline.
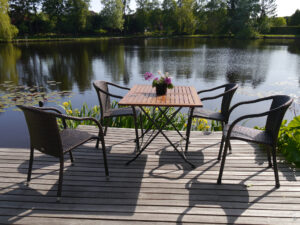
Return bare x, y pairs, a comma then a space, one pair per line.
178, 97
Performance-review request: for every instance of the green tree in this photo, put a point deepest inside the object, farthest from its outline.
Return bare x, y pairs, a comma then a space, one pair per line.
7, 30
215, 16
24, 14
169, 18
76, 15
113, 14
55, 10
267, 12
242, 17
186, 20
278, 22
268, 8
295, 18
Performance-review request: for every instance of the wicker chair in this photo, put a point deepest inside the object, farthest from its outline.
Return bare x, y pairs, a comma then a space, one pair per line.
222, 116
46, 137
279, 105
107, 112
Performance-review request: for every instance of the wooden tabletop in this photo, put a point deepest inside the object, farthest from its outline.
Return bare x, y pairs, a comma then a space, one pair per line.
179, 96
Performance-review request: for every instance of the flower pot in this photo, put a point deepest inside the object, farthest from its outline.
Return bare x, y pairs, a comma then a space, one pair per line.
161, 89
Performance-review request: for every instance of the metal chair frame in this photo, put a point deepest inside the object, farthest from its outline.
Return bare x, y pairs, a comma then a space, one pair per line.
227, 97
32, 116
105, 106
279, 105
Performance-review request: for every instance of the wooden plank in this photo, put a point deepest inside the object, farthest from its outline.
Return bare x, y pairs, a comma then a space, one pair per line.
158, 188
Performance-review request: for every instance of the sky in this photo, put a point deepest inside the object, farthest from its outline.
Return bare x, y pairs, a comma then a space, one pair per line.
284, 7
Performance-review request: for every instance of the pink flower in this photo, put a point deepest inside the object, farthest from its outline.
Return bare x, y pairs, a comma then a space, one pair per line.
148, 76
156, 78
168, 80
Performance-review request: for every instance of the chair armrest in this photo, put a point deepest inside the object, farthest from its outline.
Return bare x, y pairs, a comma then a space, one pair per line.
250, 116
109, 94
50, 109
118, 86
65, 117
55, 110
212, 89
216, 96
248, 102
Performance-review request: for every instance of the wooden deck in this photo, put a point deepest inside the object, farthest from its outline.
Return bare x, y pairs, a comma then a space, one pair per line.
158, 188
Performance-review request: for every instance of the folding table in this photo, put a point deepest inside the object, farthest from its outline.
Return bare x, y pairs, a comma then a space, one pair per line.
145, 96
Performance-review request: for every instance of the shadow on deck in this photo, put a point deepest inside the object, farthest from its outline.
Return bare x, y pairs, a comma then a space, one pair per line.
157, 188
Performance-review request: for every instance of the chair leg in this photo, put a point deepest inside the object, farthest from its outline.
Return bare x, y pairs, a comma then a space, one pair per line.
60, 179
223, 161
30, 165
221, 147
104, 158
137, 142
141, 124
188, 130
230, 149
71, 157
269, 157
275, 167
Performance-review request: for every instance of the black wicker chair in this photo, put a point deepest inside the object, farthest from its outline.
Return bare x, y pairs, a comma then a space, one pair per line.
46, 137
107, 112
279, 105
222, 116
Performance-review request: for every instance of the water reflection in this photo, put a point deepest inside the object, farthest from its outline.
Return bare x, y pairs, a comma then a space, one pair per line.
76, 64
260, 67
126, 60
9, 55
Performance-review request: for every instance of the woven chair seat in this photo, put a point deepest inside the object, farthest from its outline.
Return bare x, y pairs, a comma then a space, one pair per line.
249, 134
72, 138
126, 111
208, 114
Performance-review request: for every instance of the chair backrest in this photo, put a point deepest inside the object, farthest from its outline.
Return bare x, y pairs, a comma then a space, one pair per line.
104, 99
274, 119
231, 88
43, 130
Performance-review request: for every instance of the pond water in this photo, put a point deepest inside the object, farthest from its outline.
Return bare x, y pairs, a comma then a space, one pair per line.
260, 68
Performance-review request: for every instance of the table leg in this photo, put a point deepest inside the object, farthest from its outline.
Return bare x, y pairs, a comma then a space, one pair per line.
170, 122
188, 129
160, 130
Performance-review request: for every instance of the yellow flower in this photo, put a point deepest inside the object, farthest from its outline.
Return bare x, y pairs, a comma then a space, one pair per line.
69, 111
194, 120
156, 109
204, 121
207, 127
200, 127
66, 104
185, 125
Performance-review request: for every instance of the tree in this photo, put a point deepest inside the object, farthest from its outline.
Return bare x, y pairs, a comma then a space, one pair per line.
295, 18
24, 14
268, 8
76, 15
215, 16
242, 17
7, 30
186, 20
267, 12
169, 18
113, 14
278, 22
55, 10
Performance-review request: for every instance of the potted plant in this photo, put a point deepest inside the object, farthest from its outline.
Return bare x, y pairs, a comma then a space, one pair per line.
161, 83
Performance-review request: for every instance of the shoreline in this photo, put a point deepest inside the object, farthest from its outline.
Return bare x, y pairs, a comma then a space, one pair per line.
59, 39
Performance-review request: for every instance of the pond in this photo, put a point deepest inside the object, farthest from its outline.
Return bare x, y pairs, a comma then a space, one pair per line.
260, 68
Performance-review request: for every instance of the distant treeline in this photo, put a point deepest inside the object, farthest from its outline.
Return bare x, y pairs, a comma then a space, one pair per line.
241, 18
